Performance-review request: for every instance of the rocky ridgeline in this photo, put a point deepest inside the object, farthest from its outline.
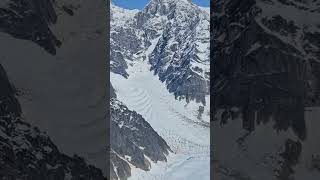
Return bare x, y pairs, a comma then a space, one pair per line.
179, 33
28, 153
265, 62
180, 57
30, 20
132, 140
265, 54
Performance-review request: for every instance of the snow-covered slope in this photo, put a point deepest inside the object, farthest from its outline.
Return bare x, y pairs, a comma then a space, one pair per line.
181, 55
179, 124
265, 72
29, 153
133, 141
53, 52
164, 31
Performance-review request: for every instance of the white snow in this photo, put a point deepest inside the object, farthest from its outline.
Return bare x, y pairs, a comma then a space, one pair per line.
290, 13
174, 120
256, 157
304, 19
178, 167
121, 16
206, 9
128, 158
65, 91
253, 48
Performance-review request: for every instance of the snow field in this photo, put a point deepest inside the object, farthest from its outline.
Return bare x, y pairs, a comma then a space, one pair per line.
174, 120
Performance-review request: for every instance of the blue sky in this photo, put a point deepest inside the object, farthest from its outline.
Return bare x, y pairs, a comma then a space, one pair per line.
139, 4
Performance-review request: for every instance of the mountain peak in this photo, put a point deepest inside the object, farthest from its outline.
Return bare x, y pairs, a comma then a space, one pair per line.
163, 7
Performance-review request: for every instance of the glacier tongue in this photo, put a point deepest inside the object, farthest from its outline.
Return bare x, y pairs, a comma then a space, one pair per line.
175, 121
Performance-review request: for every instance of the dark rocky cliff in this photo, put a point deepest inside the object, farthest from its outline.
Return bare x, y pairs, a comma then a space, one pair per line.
265, 73
30, 20
263, 60
27, 153
54, 53
131, 139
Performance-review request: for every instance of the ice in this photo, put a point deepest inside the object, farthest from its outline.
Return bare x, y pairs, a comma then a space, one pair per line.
174, 120
177, 122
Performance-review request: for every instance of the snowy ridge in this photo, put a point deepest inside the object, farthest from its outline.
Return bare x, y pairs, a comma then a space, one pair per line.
121, 16
302, 18
183, 50
181, 53
158, 58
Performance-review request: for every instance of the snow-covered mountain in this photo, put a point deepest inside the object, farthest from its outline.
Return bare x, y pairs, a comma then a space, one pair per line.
160, 74
53, 52
181, 54
265, 72
27, 152
30, 20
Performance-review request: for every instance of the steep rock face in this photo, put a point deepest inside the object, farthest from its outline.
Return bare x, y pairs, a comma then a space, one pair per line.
60, 87
28, 153
258, 42
8, 104
265, 71
132, 140
30, 20
175, 48
264, 57
125, 39
181, 57
180, 32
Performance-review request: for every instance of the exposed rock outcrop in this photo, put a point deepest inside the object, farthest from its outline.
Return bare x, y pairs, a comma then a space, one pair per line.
27, 153
132, 140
